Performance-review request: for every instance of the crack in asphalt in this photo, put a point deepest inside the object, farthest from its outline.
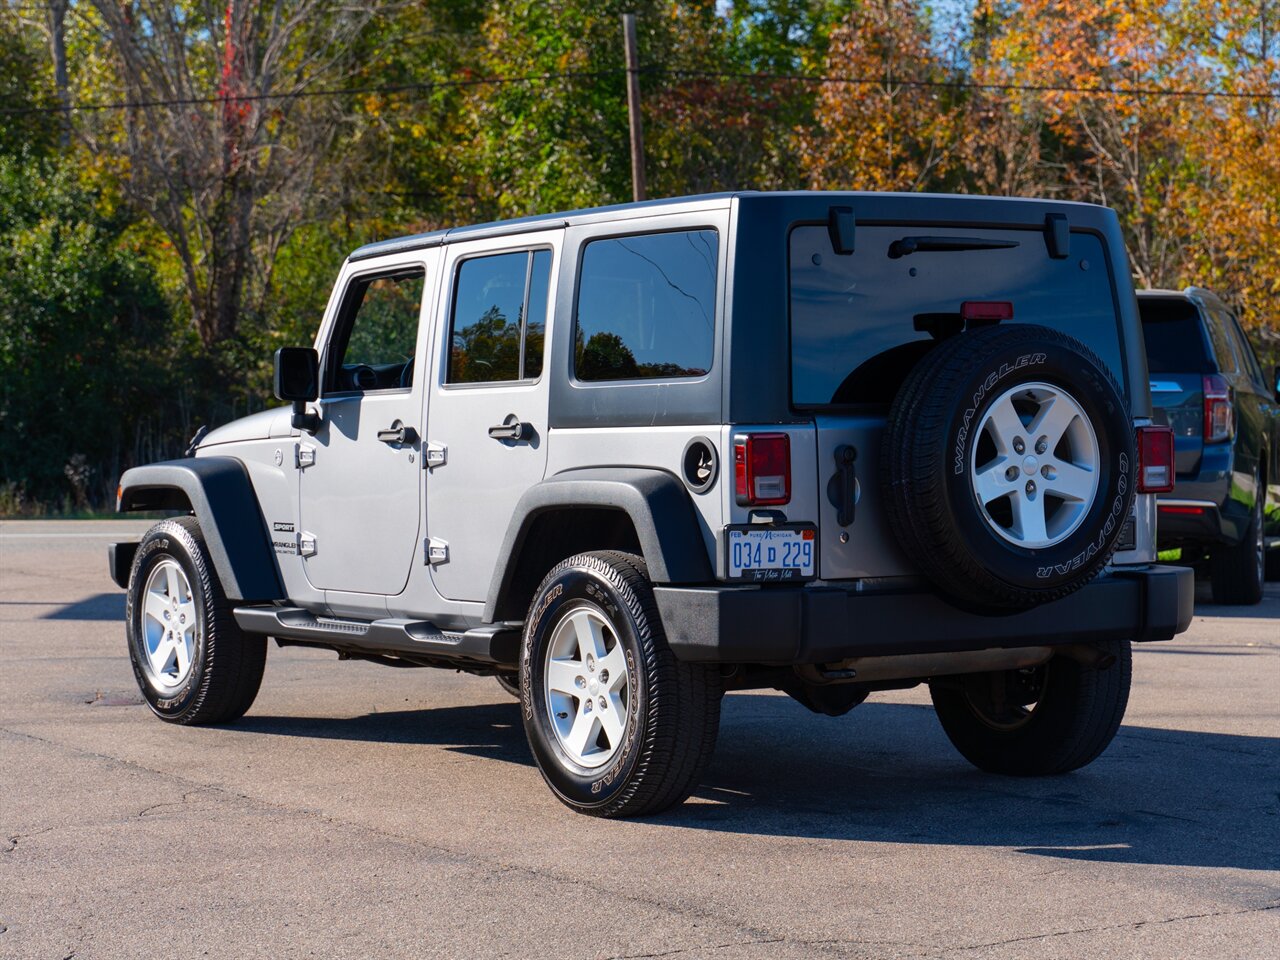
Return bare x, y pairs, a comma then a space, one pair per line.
836, 941
186, 798
1116, 926
13, 840
470, 860
463, 858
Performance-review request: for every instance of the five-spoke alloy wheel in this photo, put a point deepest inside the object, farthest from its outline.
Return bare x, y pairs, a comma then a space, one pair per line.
1007, 466
192, 663
587, 687
618, 726
169, 626
1035, 468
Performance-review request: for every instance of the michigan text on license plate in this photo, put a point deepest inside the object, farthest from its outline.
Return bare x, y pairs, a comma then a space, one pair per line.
771, 553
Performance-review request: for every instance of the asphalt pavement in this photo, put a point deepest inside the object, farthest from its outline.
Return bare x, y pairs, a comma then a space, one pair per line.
361, 811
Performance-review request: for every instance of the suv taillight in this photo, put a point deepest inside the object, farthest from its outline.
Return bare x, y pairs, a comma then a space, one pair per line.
1155, 459
1218, 415
762, 469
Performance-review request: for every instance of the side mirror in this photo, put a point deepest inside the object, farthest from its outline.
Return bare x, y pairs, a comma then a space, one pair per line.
297, 379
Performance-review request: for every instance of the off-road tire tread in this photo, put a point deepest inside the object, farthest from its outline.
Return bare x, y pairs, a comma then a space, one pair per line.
234, 660
683, 703
911, 483
1081, 716
1232, 574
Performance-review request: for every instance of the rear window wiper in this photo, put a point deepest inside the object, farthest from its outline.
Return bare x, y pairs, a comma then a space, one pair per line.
909, 245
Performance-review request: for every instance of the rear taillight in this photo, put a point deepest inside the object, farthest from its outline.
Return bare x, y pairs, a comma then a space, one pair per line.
1218, 416
1155, 459
762, 469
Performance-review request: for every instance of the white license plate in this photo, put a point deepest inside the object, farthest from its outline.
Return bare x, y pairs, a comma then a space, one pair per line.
758, 552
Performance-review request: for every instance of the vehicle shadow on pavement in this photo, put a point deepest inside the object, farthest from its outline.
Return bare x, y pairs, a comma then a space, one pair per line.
887, 773
100, 606
491, 730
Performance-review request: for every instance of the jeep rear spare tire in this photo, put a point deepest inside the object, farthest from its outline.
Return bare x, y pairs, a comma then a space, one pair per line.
1010, 460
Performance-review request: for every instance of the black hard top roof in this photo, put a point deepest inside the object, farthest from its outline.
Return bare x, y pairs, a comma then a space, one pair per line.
670, 205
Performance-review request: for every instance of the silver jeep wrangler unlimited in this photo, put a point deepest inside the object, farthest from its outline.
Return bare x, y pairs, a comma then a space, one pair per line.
627, 459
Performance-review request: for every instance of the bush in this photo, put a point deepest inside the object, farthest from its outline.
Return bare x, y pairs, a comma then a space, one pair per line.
87, 345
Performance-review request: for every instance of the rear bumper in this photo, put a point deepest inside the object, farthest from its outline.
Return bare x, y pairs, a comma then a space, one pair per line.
1182, 521
824, 624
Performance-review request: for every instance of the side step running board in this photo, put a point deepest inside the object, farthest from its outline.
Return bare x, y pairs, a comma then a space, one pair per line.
497, 643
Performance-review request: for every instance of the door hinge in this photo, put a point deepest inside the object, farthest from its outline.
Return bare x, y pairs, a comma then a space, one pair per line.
306, 456
306, 545
435, 550
434, 455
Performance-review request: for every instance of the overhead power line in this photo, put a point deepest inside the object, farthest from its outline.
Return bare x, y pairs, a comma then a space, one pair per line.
1101, 90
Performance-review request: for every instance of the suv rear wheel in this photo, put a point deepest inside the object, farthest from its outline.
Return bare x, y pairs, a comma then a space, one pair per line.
1044, 720
1236, 573
618, 726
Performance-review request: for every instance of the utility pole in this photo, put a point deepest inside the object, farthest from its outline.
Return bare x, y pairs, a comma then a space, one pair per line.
633, 106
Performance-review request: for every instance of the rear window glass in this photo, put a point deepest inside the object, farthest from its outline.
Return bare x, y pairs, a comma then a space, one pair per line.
647, 306
1172, 330
860, 323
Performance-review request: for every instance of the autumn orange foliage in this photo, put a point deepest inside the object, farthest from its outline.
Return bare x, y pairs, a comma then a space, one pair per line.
1130, 103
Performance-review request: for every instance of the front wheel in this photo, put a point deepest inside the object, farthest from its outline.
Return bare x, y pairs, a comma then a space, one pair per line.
192, 663
618, 726
1045, 720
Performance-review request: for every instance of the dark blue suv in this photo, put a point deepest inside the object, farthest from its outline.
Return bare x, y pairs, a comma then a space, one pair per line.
1207, 384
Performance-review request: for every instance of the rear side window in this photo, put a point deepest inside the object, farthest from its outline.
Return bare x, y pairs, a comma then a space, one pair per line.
1223, 348
1171, 327
646, 306
498, 328
1248, 358
860, 323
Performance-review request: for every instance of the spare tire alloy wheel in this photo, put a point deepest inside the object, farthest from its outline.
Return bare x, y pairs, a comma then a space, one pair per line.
1010, 457
1034, 469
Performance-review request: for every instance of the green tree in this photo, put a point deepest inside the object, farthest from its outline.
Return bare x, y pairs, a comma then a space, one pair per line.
86, 345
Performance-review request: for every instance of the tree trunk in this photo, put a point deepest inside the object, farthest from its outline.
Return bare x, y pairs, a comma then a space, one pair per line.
58, 43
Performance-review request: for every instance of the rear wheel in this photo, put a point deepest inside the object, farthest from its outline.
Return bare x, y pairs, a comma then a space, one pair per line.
1236, 573
618, 726
192, 663
509, 682
1044, 720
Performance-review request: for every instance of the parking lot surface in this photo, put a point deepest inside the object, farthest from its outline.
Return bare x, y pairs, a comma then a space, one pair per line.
363, 811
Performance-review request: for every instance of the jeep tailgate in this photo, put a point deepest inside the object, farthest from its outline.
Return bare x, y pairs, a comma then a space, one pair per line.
860, 323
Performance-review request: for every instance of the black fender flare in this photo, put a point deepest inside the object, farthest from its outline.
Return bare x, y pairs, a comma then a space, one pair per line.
658, 504
219, 492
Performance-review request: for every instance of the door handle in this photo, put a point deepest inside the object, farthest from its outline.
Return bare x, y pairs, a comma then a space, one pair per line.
398, 433
512, 428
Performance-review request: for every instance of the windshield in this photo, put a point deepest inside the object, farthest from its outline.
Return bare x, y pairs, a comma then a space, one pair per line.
859, 323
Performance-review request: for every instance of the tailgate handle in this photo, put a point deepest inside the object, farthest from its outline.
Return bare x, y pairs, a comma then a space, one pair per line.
845, 483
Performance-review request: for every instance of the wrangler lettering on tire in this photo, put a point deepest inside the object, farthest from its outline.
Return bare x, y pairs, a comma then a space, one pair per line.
1039, 456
